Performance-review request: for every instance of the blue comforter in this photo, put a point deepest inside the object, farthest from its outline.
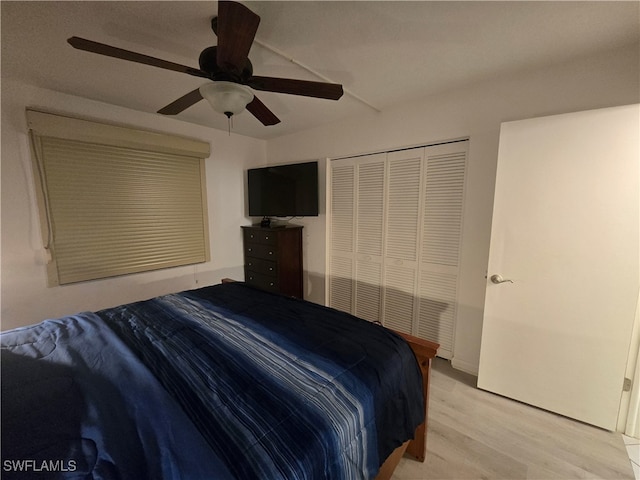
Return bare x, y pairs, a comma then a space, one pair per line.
216, 383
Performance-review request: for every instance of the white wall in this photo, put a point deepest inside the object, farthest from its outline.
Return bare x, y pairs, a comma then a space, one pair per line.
607, 79
25, 297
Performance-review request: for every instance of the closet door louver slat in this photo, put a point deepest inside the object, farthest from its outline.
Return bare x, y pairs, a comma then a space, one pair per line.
368, 290
369, 236
343, 207
341, 266
399, 297
401, 237
441, 238
444, 195
437, 309
370, 206
403, 202
405, 222
341, 285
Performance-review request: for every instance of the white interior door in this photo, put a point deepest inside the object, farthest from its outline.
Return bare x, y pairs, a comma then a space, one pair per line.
565, 235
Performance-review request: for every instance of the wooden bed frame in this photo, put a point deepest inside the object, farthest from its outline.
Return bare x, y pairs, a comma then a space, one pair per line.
424, 351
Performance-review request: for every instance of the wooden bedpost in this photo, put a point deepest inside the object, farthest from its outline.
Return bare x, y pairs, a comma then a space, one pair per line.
425, 351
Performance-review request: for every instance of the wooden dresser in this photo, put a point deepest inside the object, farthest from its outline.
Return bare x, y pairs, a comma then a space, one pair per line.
273, 258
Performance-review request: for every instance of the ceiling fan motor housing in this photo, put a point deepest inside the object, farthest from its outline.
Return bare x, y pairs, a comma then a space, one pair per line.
209, 64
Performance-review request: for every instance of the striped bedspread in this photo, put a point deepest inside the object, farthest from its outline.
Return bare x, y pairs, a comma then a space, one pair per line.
277, 388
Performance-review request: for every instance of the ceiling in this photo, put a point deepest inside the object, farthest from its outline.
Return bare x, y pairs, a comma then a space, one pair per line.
383, 53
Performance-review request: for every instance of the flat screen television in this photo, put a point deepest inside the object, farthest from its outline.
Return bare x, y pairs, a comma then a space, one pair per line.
284, 190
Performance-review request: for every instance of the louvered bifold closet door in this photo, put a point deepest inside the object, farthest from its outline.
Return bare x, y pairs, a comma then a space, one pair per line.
404, 224
443, 197
369, 228
404, 173
342, 235
117, 210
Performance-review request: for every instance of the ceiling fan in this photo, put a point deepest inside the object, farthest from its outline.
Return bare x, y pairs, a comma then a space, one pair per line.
228, 68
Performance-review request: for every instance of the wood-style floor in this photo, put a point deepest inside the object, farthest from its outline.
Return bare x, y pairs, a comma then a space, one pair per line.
474, 434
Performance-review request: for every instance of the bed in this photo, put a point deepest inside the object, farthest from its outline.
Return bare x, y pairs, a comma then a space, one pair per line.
221, 382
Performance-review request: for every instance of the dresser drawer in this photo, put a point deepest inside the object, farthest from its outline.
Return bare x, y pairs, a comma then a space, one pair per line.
265, 282
258, 250
259, 265
264, 237
273, 258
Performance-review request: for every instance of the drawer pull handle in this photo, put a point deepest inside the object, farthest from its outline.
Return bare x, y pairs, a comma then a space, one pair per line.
270, 253
271, 269
271, 284
267, 237
249, 249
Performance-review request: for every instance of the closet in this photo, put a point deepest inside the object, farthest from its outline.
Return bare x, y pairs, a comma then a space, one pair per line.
395, 227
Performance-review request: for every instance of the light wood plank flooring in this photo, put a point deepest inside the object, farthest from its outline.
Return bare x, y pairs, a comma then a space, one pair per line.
474, 434
633, 449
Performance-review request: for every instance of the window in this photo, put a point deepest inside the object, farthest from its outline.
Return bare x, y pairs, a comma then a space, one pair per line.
115, 200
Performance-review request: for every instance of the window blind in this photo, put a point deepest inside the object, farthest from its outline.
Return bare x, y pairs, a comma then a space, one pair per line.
120, 202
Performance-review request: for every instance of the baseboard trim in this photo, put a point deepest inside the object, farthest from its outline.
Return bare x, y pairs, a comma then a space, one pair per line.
466, 367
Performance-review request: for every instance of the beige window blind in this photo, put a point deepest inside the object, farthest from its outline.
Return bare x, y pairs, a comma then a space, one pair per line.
115, 200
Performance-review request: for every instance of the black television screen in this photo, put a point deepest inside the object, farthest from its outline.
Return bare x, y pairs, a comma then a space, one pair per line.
284, 190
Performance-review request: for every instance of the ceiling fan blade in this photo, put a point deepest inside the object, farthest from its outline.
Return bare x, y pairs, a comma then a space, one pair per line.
262, 113
109, 51
330, 91
236, 29
182, 103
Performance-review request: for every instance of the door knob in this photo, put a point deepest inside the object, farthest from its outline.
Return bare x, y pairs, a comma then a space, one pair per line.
497, 279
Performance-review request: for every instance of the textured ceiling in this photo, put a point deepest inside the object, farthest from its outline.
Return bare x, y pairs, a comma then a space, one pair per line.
384, 53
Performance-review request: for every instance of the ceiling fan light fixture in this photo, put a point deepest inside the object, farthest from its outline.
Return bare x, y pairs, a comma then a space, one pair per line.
226, 97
